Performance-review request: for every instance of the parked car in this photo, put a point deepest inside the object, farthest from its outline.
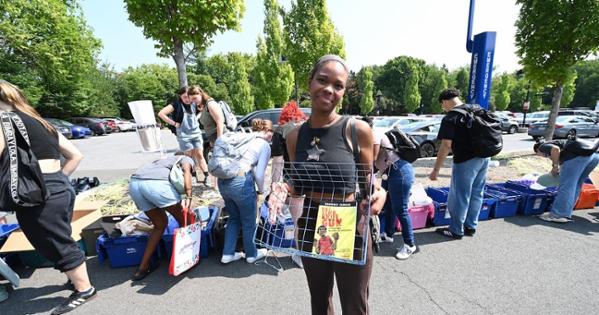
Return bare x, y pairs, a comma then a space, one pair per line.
389, 123
97, 126
120, 124
110, 125
567, 125
508, 124
77, 132
425, 132
64, 130
273, 115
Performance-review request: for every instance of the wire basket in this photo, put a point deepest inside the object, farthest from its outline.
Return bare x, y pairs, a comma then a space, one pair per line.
322, 216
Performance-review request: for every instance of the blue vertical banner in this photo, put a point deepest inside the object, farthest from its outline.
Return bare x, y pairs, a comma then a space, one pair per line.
481, 69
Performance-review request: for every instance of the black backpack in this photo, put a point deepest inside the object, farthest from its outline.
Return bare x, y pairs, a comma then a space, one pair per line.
22, 185
484, 130
403, 144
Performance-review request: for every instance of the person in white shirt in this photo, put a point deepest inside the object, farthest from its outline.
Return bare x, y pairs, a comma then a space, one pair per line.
240, 195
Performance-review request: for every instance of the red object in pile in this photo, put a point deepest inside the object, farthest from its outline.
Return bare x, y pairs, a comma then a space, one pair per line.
588, 197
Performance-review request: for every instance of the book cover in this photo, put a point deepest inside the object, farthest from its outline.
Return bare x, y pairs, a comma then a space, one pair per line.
335, 230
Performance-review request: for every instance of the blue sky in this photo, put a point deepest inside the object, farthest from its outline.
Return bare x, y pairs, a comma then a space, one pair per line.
374, 31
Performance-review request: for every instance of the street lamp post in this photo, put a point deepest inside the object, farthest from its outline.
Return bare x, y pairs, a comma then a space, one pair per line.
378, 96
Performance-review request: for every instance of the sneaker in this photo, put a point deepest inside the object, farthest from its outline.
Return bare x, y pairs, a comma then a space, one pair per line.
386, 239
297, 260
469, 231
75, 300
405, 252
260, 253
550, 217
446, 232
230, 258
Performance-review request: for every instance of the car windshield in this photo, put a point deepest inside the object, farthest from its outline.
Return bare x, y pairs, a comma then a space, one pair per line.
384, 123
59, 122
417, 125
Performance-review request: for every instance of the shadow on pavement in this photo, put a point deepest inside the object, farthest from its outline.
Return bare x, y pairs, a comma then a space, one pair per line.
422, 239
580, 224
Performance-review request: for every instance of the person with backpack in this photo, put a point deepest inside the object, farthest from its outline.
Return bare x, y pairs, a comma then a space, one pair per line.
47, 226
212, 115
472, 136
397, 178
572, 161
239, 191
154, 192
344, 146
187, 128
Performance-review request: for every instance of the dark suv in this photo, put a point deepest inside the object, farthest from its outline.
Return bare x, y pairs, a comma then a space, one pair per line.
272, 114
97, 126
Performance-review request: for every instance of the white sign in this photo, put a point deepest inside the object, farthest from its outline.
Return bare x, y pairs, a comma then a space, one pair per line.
526, 105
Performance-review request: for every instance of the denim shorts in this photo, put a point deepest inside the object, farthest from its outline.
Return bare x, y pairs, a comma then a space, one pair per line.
186, 144
148, 194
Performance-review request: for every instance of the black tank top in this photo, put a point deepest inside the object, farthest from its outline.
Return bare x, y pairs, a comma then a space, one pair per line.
44, 144
334, 171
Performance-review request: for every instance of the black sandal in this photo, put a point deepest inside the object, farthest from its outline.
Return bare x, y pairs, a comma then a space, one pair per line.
140, 275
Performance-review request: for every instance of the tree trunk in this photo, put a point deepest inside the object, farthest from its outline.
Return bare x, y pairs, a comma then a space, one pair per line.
555, 103
179, 58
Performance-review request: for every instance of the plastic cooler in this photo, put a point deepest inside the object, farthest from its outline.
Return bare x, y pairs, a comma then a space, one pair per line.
507, 204
588, 197
122, 251
419, 215
442, 217
166, 246
533, 201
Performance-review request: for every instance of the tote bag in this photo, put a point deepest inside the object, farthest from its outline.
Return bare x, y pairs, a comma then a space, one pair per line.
186, 246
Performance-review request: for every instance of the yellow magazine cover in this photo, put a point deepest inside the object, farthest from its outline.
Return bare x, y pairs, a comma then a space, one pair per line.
335, 230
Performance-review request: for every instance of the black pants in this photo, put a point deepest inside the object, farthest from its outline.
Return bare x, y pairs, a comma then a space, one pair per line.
48, 228
352, 280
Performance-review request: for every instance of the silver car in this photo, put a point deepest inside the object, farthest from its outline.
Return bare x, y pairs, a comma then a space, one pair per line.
425, 132
567, 125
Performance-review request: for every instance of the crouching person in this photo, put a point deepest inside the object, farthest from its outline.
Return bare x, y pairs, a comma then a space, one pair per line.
153, 193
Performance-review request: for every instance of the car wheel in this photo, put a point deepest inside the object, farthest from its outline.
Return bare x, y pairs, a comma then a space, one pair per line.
572, 133
427, 149
512, 130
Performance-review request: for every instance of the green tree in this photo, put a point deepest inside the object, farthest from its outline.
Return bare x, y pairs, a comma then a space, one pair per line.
103, 92
309, 34
501, 91
551, 37
411, 93
433, 81
459, 80
569, 89
47, 49
273, 78
174, 23
367, 87
398, 81
587, 83
240, 90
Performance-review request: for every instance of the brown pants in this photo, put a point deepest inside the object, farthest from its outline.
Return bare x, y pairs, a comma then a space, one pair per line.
352, 282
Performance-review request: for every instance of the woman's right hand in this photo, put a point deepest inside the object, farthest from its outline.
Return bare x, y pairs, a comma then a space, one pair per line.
177, 125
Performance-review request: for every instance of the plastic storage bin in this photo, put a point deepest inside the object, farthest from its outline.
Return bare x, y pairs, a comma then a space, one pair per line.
122, 251
419, 215
588, 197
442, 217
166, 246
507, 204
274, 234
533, 201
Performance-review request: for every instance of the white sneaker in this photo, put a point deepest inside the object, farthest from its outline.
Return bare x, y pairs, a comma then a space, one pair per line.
405, 252
230, 258
385, 238
297, 260
550, 217
260, 253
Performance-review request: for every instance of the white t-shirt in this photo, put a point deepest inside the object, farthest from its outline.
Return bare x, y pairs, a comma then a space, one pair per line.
386, 155
257, 156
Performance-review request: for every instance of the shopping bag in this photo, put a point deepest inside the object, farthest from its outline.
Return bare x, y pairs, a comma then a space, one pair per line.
186, 246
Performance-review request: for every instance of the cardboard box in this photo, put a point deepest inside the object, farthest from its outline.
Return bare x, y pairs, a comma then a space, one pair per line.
84, 214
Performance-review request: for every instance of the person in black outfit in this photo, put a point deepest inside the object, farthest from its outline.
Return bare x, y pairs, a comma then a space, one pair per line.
48, 227
326, 138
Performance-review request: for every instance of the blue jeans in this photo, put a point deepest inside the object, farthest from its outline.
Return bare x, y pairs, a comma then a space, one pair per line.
572, 175
398, 184
240, 196
466, 193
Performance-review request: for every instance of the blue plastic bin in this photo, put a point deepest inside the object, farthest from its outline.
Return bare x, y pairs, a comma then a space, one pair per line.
166, 246
273, 234
533, 201
439, 195
122, 251
508, 201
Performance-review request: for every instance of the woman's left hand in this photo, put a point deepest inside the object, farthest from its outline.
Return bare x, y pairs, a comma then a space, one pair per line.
186, 203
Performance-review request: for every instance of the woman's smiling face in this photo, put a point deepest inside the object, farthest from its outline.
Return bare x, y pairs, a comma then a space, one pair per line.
327, 87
